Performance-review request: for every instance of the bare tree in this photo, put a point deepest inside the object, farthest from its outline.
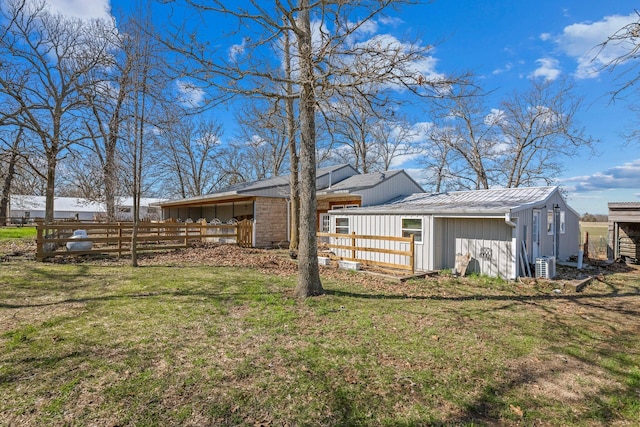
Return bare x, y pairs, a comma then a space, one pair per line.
10, 143
50, 56
522, 143
538, 131
190, 150
106, 99
145, 105
468, 137
625, 66
352, 120
626, 39
263, 129
326, 59
395, 138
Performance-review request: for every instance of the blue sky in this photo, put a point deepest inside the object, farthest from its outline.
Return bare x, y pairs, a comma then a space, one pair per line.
504, 43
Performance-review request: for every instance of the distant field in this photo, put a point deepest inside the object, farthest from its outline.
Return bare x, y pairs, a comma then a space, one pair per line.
17, 232
598, 232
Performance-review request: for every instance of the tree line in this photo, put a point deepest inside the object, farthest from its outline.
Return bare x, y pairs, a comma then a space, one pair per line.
99, 109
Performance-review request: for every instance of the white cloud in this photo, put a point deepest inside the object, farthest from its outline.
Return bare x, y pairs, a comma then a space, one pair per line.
545, 36
626, 176
582, 42
237, 50
506, 68
83, 9
548, 68
189, 94
390, 20
496, 116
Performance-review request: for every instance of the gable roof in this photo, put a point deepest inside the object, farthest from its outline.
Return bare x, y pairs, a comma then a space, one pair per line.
342, 178
361, 181
494, 201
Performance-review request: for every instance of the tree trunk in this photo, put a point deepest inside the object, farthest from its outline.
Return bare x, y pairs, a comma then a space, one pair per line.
8, 179
50, 190
293, 152
308, 271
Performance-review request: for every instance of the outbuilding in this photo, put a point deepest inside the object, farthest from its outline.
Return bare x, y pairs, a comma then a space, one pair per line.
505, 231
624, 231
27, 208
266, 202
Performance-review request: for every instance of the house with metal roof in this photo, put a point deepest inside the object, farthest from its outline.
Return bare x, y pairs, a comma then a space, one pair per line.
267, 203
32, 207
504, 231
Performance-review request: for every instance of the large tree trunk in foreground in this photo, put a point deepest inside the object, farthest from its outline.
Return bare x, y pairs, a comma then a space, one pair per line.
308, 271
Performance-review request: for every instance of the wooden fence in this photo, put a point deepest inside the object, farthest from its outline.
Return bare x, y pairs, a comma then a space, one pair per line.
360, 247
116, 238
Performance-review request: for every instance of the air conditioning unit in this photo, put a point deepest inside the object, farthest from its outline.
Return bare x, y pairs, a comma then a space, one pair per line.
546, 267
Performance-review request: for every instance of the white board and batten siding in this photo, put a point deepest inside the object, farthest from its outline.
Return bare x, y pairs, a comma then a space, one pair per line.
488, 240
493, 226
382, 225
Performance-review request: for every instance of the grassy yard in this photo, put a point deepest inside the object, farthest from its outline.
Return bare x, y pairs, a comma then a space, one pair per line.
105, 345
17, 233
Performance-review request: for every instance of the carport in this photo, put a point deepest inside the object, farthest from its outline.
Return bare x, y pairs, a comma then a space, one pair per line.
624, 231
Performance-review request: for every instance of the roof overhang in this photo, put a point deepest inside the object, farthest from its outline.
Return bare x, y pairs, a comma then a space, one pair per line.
207, 200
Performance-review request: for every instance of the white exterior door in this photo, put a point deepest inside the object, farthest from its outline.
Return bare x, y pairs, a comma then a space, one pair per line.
535, 235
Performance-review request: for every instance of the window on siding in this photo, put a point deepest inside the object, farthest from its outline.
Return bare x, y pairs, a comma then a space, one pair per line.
342, 225
324, 222
412, 226
550, 223
562, 222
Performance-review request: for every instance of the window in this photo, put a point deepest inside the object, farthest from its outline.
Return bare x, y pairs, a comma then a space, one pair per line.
342, 225
324, 222
550, 229
562, 222
412, 226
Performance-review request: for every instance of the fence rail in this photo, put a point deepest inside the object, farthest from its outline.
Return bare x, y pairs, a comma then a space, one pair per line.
359, 245
104, 238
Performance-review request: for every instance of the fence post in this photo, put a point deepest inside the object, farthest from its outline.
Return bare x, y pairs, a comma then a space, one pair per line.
119, 239
353, 245
39, 242
586, 245
412, 249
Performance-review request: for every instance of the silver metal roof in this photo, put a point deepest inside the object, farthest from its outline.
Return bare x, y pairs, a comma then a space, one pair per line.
361, 181
493, 201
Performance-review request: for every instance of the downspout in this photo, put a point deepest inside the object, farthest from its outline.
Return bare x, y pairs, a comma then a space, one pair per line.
513, 223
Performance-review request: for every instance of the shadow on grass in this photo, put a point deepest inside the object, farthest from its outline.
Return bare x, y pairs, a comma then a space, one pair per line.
515, 298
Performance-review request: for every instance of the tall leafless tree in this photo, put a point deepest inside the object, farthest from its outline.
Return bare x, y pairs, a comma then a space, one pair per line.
326, 59
539, 132
51, 57
106, 100
522, 143
190, 150
468, 137
263, 132
10, 144
625, 67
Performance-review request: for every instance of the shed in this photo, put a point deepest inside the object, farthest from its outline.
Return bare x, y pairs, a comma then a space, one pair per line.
624, 231
503, 230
